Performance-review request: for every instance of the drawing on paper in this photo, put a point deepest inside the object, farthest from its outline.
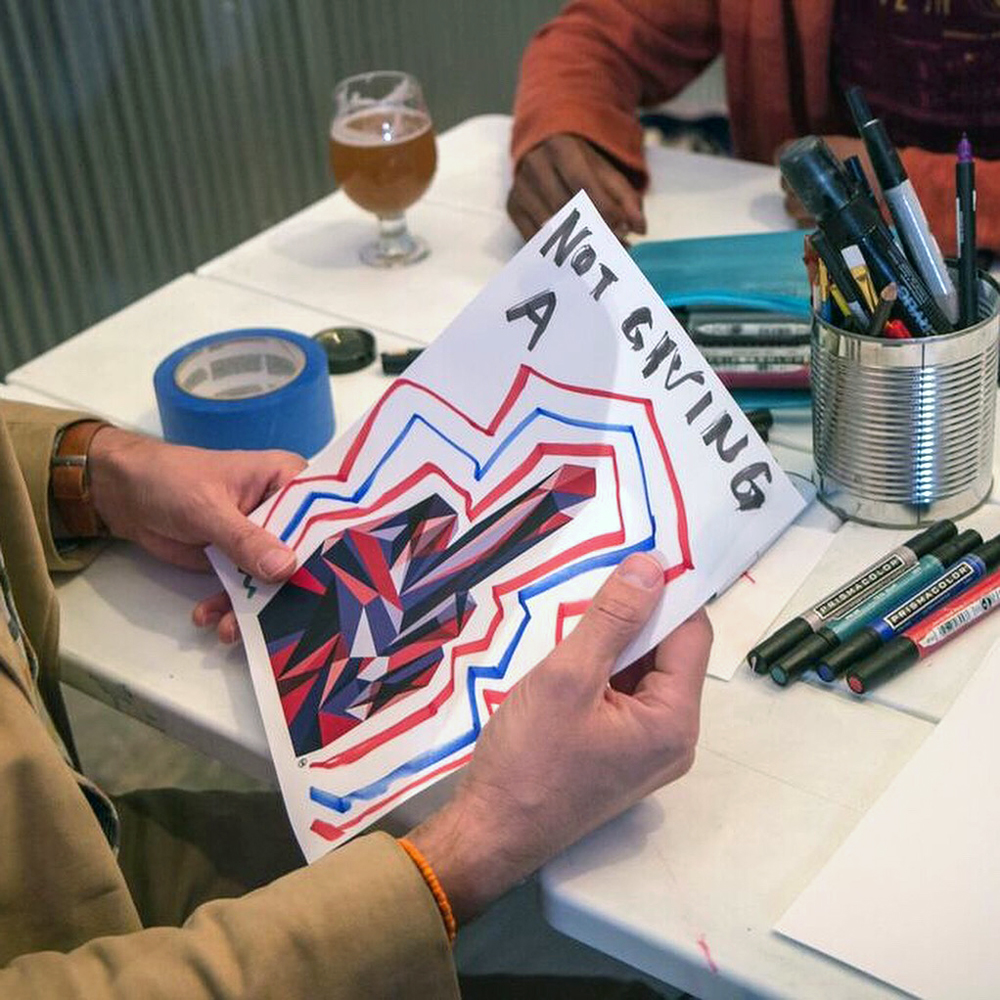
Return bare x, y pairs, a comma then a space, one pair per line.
365, 619
454, 534
415, 596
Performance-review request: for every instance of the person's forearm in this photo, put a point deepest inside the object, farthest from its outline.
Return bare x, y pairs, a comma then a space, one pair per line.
360, 922
587, 71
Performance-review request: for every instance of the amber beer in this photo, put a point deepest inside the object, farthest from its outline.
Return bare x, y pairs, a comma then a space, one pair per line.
383, 158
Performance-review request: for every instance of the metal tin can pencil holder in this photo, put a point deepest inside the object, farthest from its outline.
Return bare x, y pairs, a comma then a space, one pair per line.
903, 429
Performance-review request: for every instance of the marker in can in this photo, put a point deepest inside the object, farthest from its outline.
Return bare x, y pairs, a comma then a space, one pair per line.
847, 597
928, 568
927, 635
953, 581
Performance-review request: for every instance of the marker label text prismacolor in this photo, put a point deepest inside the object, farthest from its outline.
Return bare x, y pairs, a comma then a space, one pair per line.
858, 590
955, 580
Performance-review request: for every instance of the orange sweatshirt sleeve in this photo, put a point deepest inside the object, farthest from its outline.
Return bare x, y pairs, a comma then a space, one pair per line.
933, 177
587, 71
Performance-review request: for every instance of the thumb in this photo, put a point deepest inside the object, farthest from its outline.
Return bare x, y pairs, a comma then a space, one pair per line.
253, 548
614, 617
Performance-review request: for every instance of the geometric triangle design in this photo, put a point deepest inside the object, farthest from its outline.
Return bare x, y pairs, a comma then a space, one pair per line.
364, 620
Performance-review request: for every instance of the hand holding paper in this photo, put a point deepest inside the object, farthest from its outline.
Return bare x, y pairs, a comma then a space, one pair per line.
174, 500
565, 753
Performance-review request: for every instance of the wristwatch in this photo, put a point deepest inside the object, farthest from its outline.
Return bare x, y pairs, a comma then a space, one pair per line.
69, 480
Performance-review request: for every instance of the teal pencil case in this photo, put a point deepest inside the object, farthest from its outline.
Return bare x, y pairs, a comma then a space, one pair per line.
756, 271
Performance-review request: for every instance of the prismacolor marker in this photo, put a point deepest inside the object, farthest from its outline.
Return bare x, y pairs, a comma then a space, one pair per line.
953, 581
922, 639
848, 596
927, 569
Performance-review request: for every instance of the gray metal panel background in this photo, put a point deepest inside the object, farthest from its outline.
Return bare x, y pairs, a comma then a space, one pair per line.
138, 138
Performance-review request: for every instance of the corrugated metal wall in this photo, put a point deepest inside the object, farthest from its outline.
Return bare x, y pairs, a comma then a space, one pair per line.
138, 138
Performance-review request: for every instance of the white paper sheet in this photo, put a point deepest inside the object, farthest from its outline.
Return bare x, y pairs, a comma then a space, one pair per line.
563, 420
746, 611
913, 894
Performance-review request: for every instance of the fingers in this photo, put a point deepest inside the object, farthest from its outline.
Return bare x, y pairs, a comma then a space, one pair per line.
228, 630
678, 672
526, 208
616, 614
211, 609
252, 548
217, 610
284, 466
578, 164
628, 198
551, 173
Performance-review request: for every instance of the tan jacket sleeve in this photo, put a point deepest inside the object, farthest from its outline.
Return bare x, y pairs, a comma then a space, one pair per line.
588, 71
358, 923
33, 432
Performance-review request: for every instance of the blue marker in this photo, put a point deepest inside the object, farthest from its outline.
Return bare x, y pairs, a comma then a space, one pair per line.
831, 635
949, 584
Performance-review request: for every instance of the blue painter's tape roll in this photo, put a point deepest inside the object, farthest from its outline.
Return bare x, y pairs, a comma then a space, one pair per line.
250, 388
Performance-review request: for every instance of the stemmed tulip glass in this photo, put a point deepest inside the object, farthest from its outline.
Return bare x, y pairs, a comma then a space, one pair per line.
382, 153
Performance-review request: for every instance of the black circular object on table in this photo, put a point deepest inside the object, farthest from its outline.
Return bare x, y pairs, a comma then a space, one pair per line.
348, 348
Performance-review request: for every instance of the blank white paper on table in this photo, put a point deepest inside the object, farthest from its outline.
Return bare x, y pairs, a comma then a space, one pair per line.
744, 613
913, 894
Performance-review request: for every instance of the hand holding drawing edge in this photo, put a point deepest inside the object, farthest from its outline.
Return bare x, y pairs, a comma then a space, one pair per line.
173, 500
565, 752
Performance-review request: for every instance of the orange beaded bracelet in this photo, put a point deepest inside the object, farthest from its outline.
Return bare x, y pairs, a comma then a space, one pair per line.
440, 897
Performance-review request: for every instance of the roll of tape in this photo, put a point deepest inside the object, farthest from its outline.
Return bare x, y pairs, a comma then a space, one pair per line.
250, 388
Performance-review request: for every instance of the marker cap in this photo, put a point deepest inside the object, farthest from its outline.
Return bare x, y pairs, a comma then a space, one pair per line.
929, 539
989, 552
801, 658
893, 658
857, 104
961, 545
767, 652
849, 652
816, 176
885, 160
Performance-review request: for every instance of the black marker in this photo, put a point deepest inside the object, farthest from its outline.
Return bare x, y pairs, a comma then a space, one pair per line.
853, 166
965, 214
847, 219
847, 597
904, 205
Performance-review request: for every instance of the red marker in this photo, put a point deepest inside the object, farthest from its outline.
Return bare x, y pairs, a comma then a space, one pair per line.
926, 635
895, 329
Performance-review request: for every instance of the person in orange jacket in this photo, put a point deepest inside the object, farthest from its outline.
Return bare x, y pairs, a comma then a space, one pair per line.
930, 69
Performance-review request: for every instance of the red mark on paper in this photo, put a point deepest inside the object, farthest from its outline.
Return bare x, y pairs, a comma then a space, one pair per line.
746, 573
703, 944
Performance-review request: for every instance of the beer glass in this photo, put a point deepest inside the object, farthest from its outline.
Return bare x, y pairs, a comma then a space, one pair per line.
382, 154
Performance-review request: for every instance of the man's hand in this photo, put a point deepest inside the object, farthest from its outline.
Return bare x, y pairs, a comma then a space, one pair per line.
565, 752
842, 147
174, 500
552, 172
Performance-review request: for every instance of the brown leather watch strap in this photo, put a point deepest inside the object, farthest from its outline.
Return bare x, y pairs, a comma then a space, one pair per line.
69, 480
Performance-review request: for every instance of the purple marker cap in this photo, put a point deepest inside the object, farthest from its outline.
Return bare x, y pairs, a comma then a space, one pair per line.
964, 149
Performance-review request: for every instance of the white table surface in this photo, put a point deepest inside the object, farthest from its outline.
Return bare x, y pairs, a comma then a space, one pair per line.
687, 885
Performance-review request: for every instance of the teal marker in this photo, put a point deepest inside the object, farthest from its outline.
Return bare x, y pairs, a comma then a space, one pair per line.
803, 656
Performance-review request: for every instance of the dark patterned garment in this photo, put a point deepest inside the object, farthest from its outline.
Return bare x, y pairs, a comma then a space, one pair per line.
929, 68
